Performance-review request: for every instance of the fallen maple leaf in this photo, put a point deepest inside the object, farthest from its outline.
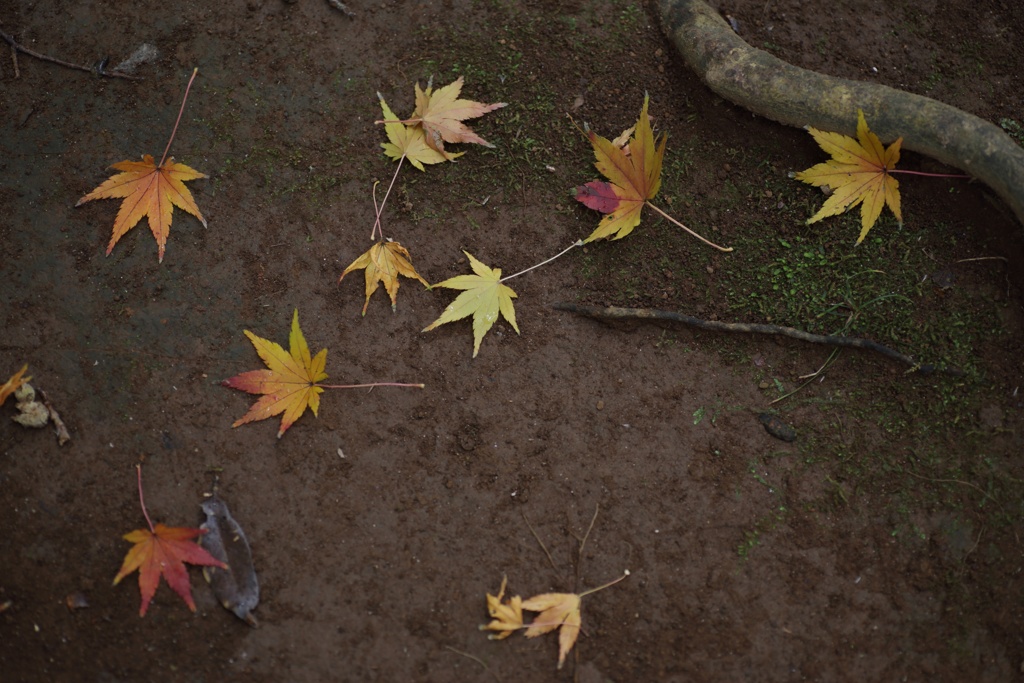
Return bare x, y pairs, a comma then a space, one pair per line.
556, 610
290, 383
384, 262
506, 618
484, 298
12, 384
149, 189
634, 178
163, 551
409, 141
441, 114
859, 172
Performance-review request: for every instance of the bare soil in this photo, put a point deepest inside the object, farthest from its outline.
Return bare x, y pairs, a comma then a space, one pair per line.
882, 545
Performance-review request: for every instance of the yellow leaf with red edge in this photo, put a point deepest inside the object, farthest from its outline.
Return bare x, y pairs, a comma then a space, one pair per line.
12, 384
484, 298
557, 610
505, 617
148, 190
409, 141
384, 262
635, 178
164, 552
857, 173
441, 114
289, 385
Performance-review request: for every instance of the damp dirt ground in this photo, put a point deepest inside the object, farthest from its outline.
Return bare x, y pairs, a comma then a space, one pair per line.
883, 544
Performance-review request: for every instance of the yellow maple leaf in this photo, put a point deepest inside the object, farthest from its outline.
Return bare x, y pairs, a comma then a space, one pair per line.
506, 618
12, 384
148, 189
557, 610
485, 297
409, 141
289, 384
857, 173
441, 113
635, 178
384, 262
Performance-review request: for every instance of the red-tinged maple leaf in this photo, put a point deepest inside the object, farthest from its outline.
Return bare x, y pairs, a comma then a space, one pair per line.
289, 383
635, 178
12, 384
148, 190
859, 172
164, 552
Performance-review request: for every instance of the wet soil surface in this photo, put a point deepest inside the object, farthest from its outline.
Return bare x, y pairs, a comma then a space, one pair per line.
882, 544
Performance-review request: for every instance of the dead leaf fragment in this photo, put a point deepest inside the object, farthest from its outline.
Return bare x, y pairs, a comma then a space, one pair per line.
484, 298
236, 585
148, 189
384, 262
441, 114
857, 173
289, 384
557, 610
506, 618
13, 383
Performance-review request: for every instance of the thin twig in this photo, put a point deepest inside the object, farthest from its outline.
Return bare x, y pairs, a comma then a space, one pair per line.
475, 659
14, 60
17, 47
985, 258
709, 243
542, 546
583, 541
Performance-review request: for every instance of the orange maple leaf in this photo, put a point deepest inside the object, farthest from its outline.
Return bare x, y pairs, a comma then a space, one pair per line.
384, 262
505, 618
556, 610
441, 114
635, 178
290, 383
859, 172
164, 552
12, 384
150, 190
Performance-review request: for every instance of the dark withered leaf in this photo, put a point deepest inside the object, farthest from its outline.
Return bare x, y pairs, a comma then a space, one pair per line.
236, 587
774, 425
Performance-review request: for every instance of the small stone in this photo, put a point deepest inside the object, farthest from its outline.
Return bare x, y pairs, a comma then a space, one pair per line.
600, 405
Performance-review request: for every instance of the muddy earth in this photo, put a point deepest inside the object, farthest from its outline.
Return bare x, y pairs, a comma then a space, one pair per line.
883, 544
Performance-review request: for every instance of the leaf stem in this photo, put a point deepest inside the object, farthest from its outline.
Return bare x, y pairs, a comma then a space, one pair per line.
606, 585
687, 229
380, 209
142, 502
369, 386
930, 175
180, 112
577, 243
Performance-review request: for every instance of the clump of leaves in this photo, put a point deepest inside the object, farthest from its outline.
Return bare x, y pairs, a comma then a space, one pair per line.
633, 165
163, 551
558, 611
484, 298
150, 189
291, 382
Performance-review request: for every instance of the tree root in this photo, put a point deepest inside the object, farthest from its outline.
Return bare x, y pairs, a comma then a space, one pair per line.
772, 88
758, 328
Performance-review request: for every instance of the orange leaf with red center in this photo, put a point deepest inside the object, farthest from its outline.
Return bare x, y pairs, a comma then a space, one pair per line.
148, 190
289, 384
635, 178
164, 552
